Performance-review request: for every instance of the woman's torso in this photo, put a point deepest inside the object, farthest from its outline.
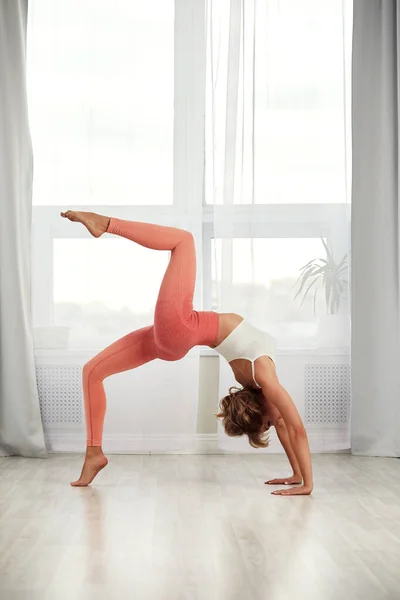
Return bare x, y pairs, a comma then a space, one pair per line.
263, 349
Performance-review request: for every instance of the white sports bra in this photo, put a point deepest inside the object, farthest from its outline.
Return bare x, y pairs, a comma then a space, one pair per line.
247, 342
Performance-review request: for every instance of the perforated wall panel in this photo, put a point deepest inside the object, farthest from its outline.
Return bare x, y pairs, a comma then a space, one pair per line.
327, 394
60, 394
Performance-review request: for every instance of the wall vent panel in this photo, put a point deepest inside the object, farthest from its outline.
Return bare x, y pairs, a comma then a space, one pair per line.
327, 394
60, 394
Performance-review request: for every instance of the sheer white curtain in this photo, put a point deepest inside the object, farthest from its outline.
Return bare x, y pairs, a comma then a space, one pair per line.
115, 128
277, 139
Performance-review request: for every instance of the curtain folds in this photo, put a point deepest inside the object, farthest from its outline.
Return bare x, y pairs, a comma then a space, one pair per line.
375, 229
21, 431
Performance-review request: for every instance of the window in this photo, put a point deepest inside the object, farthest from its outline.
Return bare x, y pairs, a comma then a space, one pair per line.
291, 105
101, 101
104, 89
277, 161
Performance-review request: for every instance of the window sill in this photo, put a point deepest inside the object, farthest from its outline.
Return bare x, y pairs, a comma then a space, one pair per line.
87, 353
204, 351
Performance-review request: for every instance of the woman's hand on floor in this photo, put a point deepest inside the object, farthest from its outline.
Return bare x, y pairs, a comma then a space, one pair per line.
303, 490
286, 480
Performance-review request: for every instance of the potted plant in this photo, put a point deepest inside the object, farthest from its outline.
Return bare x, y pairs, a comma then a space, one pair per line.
330, 277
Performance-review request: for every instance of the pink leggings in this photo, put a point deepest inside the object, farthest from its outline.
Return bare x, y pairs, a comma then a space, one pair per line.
177, 327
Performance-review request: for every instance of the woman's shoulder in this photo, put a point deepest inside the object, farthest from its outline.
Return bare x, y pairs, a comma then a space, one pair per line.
264, 369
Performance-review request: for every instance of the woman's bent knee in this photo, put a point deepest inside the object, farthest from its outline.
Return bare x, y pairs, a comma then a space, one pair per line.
90, 370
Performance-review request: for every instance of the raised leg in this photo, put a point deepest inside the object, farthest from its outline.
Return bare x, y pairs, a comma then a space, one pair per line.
177, 288
177, 327
178, 284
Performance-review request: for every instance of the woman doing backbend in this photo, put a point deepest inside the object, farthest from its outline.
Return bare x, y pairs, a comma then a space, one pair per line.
251, 409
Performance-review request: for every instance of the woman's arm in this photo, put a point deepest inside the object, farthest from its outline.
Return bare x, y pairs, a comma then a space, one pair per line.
266, 377
284, 439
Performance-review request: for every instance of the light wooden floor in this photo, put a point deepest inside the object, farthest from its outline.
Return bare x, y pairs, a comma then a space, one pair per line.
199, 528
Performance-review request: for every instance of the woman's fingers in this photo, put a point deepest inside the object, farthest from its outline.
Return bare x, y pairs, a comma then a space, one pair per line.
297, 491
276, 482
285, 481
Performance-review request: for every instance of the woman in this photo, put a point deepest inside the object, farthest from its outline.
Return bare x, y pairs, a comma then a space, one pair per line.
260, 403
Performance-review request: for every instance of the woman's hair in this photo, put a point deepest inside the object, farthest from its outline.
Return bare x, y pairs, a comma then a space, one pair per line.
242, 412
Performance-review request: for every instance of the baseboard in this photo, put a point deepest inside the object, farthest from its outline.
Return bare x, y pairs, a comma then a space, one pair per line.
63, 441
57, 441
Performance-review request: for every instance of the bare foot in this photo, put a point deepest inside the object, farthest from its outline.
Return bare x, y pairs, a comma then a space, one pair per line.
94, 223
92, 466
